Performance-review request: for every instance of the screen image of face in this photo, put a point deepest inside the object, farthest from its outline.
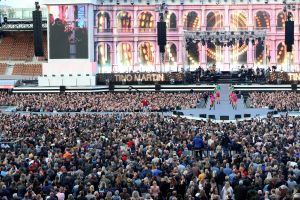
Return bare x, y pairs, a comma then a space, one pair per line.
68, 32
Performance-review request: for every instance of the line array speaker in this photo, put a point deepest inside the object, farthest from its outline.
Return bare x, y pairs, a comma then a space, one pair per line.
37, 33
289, 35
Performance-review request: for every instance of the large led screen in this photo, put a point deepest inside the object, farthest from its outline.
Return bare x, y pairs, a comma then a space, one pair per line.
68, 32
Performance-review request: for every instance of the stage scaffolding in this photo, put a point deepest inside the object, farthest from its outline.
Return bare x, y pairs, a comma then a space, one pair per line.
222, 39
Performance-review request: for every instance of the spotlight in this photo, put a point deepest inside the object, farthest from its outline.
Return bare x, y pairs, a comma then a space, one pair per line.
241, 42
208, 41
217, 42
259, 39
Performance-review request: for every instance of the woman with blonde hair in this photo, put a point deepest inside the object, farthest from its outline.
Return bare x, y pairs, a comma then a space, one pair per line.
227, 192
154, 190
136, 195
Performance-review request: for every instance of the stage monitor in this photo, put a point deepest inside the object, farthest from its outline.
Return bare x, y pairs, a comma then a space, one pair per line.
224, 117
68, 31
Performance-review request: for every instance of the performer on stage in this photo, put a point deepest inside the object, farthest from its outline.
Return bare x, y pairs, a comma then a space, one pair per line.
218, 97
212, 101
234, 101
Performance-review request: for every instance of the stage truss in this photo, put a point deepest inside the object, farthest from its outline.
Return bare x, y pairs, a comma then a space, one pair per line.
222, 39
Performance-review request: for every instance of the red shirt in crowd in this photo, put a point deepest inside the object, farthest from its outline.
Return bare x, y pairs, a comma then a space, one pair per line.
145, 102
130, 144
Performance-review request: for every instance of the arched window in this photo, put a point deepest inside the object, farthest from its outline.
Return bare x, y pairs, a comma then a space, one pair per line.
146, 54
259, 53
104, 57
103, 20
192, 53
124, 54
239, 54
238, 21
214, 20
171, 21
262, 20
191, 21
146, 22
171, 54
124, 21
281, 18
282, 55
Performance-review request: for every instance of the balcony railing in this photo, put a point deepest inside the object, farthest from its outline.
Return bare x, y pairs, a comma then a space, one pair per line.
125, 30
278, 28
191, 29
173, 29
262, 28
104, 30
147, 30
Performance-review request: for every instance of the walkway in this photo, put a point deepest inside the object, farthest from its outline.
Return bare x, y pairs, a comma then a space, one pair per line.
225, 108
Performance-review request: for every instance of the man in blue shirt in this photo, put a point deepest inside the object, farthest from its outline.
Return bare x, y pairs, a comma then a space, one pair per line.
198, 146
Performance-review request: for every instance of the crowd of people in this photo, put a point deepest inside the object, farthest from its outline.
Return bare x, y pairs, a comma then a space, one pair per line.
101, 102
147, 156
280, 101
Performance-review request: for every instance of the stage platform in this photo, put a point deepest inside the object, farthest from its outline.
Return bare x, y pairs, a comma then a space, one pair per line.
224, 111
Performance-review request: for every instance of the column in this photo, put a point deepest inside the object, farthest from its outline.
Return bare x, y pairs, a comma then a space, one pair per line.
199, 50
113, 21
226, 54
250, 18
273, 52
115, 56
203, 56
181, 50
135, 55
135, 18
180, 55
180, 16
158, 66
273, 19
226, 21
296, 55
203, 19
250, 60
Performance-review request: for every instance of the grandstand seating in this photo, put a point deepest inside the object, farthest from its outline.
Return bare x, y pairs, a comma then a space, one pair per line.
2, 68
5, 47
27, 69
19, 46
